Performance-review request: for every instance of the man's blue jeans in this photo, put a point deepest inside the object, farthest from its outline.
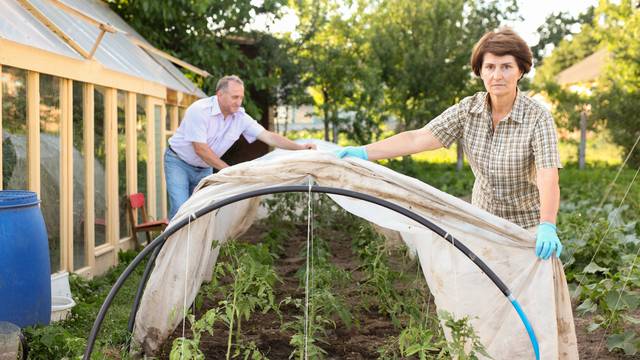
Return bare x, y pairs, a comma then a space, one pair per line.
181, 178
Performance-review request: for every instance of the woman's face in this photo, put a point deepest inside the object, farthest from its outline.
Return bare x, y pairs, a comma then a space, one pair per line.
500, 74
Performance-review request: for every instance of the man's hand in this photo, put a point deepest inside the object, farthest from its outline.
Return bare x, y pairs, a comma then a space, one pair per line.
353, 151
308, 146
547, 241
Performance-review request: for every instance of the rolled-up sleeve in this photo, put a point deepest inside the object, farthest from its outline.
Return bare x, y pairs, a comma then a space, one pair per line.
545, 143
251, 129
447, 127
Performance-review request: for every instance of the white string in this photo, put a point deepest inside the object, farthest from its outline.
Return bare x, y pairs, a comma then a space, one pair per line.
609, 187
455, 273
624, 285
594, 214
606, 232
615, 308
306, 281
186, 275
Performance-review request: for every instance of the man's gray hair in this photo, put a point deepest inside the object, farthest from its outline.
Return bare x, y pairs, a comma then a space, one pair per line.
223, 83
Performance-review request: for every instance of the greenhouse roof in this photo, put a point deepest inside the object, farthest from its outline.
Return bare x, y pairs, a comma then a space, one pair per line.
122, 50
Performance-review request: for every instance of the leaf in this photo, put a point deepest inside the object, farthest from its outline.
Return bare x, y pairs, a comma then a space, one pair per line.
614, 301
587, 306
625, 341
593, 326
593, 268
630, 319
631, 238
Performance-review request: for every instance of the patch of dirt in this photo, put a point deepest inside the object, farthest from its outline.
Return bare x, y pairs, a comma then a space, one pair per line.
593, 345
360, 341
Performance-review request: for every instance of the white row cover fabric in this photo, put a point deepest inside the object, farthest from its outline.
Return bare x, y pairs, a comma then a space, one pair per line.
456, 283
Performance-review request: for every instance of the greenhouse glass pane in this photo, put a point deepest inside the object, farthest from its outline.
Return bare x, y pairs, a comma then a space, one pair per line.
50, 163
99, 167
14, 128
79, 236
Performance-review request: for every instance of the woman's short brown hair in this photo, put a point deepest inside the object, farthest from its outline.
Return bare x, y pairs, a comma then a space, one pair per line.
501, 42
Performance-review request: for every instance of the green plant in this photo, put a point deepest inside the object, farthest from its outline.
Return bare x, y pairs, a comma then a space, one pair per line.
462, 335
53, 342
421, 340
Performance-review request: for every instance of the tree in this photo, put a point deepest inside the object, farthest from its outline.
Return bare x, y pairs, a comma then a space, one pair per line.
618, 96
557, 27
212, 35
424, 49
569, 50
329, 51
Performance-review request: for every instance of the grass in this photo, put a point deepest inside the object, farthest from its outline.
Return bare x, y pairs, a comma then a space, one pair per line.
69, 338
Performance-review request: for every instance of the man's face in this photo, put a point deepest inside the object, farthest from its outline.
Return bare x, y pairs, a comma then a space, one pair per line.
230, 99
500, 74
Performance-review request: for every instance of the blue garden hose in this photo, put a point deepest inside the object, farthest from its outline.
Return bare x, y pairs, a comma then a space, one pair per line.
527, 325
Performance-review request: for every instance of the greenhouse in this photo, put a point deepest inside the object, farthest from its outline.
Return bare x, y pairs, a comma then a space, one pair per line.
87, 104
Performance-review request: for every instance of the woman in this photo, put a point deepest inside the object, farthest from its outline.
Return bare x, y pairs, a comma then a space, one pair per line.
509, 139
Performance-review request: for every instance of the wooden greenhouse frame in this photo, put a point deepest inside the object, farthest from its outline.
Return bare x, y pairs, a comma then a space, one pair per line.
161, 113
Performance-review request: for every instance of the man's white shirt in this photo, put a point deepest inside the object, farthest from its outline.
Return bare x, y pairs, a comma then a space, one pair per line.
203, 122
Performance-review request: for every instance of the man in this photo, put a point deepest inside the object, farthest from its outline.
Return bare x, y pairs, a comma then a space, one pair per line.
209, 127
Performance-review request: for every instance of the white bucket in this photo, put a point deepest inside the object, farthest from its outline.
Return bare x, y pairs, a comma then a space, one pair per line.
60, 284
61, 307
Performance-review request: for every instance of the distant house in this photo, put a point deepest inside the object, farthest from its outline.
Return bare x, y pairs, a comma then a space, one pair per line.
580, 78
584, 72
87, 105
289, 117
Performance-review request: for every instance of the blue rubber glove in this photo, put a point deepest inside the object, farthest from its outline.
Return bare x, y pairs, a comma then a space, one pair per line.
353, 151
547, 241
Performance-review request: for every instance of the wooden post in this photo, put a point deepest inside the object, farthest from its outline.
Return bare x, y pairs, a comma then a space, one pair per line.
583, 140
33, 126
163, 147
66, 175
111, 190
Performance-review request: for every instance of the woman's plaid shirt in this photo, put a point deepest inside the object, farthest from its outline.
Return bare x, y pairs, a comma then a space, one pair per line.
504, 160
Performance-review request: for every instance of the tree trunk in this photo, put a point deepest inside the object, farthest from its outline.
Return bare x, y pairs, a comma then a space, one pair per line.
325, 109
583, 140
460, 154
334, 127
326, 123
286, 119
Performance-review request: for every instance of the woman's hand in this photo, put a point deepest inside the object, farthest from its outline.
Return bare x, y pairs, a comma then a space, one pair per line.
547, 241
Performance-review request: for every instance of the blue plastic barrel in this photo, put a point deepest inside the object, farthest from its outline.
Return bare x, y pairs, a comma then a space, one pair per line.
25, 280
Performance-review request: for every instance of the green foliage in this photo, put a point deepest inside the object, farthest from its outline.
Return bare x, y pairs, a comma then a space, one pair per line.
389, 59
215, 36
68, 338
602, 238
251, 288
618, 97
53, 342
462, 334
627, 341
420, 340
613, 100
557, 27
424, 49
